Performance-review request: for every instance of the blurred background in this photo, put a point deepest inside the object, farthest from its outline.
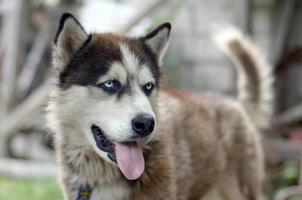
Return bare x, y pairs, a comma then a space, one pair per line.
27, 28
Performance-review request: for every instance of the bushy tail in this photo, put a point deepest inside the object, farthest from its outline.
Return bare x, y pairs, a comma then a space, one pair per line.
255, 78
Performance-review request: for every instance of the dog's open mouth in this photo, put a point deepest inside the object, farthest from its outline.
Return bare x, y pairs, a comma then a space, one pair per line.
103, 142
128, 155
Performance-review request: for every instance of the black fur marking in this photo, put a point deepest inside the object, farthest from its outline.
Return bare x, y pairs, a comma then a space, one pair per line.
103, 143
150, 53
63, 19
159, 28
87, 158
126, 89
88, 65
87, 41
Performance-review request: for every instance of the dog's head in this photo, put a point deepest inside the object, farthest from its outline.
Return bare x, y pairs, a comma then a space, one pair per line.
107, 88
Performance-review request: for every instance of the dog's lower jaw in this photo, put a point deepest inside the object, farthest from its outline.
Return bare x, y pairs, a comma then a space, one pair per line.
85, 165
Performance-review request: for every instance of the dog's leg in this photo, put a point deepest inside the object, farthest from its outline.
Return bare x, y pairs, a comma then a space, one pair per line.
245, 170
252, 171
250, 167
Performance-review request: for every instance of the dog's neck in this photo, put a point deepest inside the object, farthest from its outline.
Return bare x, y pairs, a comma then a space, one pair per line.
85, 165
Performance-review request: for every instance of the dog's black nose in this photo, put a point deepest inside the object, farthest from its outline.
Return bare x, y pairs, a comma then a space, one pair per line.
143, 124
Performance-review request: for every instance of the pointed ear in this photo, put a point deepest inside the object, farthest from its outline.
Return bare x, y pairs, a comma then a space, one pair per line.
69, 38
157, 40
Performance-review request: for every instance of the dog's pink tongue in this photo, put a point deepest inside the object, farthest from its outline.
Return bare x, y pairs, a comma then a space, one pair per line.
130, 160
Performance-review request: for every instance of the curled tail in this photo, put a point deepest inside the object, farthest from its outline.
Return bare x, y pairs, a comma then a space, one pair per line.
255, 80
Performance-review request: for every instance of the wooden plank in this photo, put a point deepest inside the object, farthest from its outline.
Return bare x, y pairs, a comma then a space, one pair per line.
290, 116
25, 113
33, 60
277, 150
9, 64
243, 12
27, 169
284, 24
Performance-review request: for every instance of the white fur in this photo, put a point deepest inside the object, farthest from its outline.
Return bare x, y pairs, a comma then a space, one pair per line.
130, 61
145, 76
117, 71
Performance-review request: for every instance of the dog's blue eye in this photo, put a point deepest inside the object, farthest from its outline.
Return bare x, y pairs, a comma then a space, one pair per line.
148, 88
111, 86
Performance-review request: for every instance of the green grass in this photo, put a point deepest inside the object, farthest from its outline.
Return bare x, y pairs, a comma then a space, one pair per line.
33, 189
284, 175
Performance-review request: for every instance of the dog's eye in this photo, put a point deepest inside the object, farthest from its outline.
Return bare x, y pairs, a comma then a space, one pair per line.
148, 88
111, 86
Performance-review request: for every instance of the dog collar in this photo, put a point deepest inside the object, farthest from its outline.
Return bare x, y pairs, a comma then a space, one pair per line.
84, 192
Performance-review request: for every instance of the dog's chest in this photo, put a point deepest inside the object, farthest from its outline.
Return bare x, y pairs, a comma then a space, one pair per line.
115, 191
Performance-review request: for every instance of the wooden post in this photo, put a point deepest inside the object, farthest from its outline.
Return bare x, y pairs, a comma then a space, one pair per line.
283, 28
9, 63
243, 14
33, 59
25, 112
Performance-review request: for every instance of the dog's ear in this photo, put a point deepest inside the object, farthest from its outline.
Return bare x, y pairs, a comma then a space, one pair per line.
157, 40
70, 38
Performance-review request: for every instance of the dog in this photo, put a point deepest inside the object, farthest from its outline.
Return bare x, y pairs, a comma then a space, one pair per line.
121, 133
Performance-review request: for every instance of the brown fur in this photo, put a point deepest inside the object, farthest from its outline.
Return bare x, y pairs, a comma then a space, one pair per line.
208, 144
205, 147
202, 144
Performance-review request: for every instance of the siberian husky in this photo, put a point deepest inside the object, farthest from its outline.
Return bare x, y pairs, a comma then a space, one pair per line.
121, 133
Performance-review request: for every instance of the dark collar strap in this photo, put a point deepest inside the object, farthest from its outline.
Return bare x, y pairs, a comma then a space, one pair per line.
84, 192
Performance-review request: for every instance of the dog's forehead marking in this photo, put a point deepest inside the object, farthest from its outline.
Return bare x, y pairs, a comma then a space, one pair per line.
134, 67
130, 60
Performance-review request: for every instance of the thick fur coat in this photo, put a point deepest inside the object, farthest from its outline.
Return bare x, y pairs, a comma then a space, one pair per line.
202, 147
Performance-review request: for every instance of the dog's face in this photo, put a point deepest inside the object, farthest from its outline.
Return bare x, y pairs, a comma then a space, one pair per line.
107, 89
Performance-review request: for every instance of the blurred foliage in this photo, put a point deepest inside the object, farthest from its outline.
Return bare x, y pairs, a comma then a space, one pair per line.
281, 176
36, 189
51, 2
171, 14
295, 198
172, 61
